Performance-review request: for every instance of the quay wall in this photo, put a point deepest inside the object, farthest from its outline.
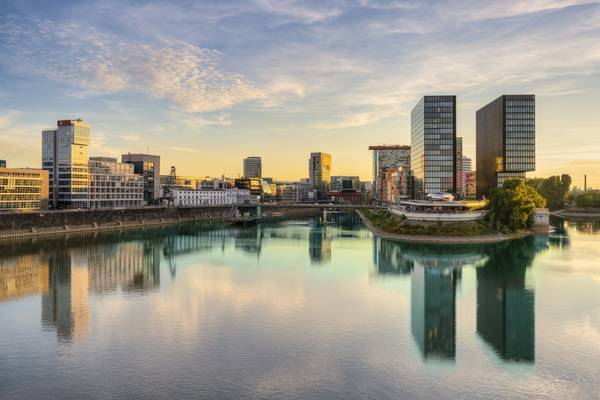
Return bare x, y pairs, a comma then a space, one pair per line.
15, 225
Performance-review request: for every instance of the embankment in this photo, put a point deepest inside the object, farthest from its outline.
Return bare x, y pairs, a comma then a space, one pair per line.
17, 225
432, 239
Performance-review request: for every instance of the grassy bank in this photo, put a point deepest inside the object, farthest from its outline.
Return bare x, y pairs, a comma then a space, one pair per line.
388, 222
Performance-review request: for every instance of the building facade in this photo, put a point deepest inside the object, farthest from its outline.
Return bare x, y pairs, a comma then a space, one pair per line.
433, 145
148, 166
196, 198
114, 184
387, 156
319, 173
466, 173
65, 157
505, 141
396, 184
254, 185
23, 189
252, 167
459, 166
2, 163
340, 183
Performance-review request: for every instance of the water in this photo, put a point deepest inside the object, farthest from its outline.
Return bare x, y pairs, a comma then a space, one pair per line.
299, 310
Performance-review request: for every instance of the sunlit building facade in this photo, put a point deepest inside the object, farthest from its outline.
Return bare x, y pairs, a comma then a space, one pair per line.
319, 173
505, 141
183, 197
387, 156
23, 189
148, 166
433, 145
65, 157
114, 184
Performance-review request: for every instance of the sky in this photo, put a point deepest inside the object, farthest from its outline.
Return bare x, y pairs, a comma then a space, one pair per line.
206, 83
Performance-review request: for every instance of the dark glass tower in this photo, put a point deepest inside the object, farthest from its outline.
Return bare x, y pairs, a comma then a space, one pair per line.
433, 145
505, 141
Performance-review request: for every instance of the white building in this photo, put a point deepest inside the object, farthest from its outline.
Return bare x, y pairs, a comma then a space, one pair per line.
113, 184
217, 197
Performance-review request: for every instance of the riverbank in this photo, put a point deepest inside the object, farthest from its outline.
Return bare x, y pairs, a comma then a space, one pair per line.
433, 239
578, 213
26, 225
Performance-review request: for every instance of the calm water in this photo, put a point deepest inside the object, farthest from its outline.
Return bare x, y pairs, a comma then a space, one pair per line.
299, 310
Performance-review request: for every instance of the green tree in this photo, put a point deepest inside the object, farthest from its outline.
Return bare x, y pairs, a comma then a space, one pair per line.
511, 206
554, 189
588, 200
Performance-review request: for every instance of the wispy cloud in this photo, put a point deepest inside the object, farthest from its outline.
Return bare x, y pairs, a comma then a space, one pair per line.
101, 62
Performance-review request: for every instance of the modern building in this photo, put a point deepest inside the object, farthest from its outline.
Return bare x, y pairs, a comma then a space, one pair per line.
459, 172
149, 167
254, 185
341, 183
505, 141
252, 167
387, 156
65, 157
466, 168
114, 184
319, 173
433, 145
218, 197
23, 189
396, 184
2, 163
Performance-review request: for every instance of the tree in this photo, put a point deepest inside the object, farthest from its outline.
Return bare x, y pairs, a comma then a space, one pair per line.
511, 206
588, 200
554, 189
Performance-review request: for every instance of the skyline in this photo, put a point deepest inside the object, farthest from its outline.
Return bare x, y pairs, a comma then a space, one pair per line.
280, 80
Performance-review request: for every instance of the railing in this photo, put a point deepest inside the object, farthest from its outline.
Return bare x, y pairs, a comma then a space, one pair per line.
422, 216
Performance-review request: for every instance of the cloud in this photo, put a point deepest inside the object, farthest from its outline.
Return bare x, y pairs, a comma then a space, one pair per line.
99, 62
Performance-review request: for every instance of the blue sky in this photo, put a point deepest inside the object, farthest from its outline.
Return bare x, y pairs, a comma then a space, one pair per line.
205, 83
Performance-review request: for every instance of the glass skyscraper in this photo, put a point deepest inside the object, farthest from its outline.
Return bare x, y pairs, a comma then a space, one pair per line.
252, 167
433, 145
505, 141
319, 172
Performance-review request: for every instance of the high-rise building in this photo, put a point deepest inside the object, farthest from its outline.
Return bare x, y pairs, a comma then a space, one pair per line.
23, 189
433, 145
252, 167
466, 169
148, 166
319, 173
2, 164
65, 157
505, 141
114, 184
459, 172
387, 156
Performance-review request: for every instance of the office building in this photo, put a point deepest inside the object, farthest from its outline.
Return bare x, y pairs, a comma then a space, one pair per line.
23, 189
254, 185
319, 173
149, 167
114, 184
344, 183
466, 169
387, 156
252, 167
396, 184
433, 145
459, 172
65, 157
505, 141
2, 164
183, 197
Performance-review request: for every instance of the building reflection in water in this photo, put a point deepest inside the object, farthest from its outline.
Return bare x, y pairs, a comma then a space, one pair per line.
65, 276
434, 277
319, 242
505, 307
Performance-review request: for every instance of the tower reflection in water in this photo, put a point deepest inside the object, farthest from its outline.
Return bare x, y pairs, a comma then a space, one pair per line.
65, 276
505, 306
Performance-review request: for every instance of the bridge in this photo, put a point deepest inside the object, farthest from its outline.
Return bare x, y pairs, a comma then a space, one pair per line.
327, 206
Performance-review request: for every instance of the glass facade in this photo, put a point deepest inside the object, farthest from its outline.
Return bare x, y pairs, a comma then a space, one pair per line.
252, 167
505, 141
114, 184
148, 166
433, 145
319, 172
